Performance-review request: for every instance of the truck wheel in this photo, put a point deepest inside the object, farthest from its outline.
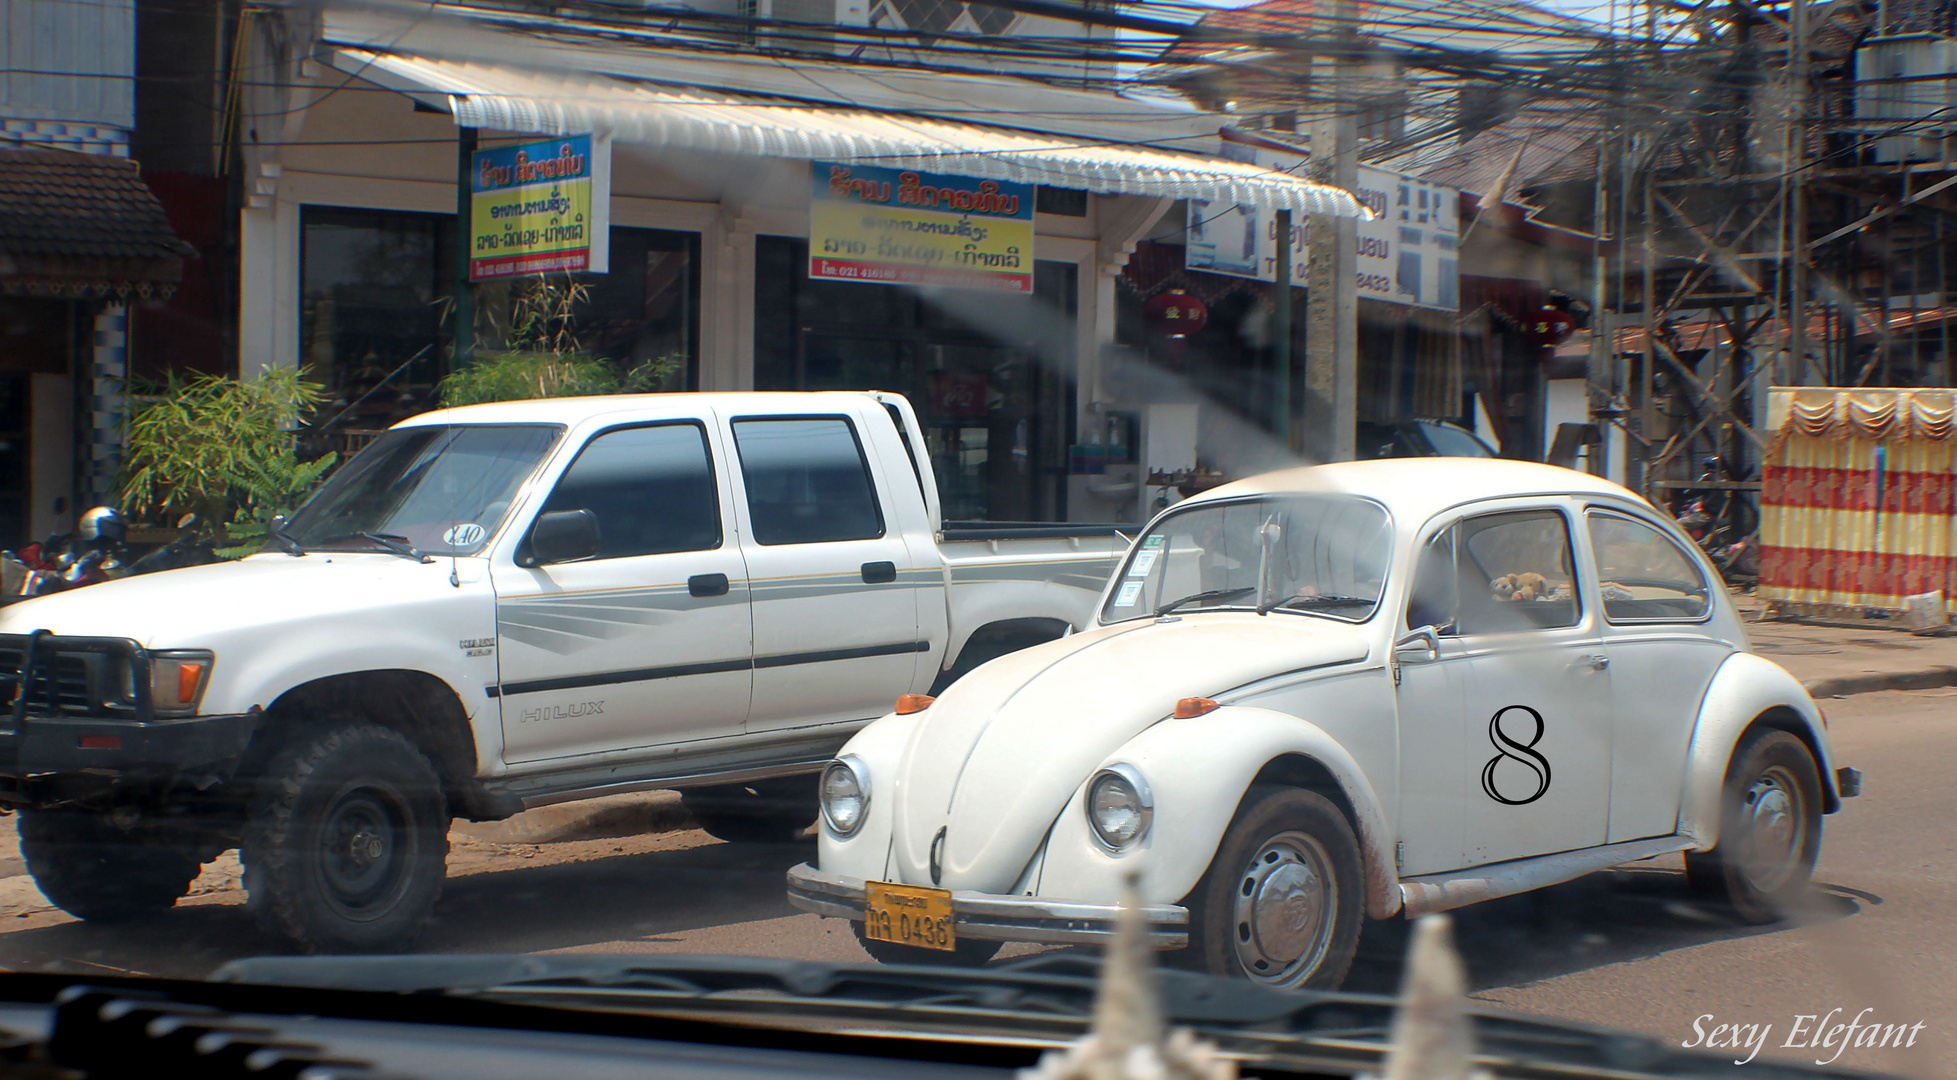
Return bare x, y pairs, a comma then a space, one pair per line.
1281, 903
94, 870
1769, 829
763, 812
968, 952
346, 841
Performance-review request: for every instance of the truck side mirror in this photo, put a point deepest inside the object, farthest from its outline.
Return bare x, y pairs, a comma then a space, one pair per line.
563, 536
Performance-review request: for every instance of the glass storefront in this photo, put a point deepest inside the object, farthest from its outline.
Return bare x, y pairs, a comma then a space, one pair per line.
375, 291
992, 375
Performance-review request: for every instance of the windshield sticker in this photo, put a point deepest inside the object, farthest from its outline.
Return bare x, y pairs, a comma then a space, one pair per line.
1130, 592
466, 535
1144, 562
1153, 542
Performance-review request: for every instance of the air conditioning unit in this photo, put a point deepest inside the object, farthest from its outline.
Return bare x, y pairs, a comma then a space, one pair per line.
805, 25
1905, 86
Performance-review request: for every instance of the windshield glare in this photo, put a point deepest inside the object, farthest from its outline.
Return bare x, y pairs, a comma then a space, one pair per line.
1318, 554
444, 489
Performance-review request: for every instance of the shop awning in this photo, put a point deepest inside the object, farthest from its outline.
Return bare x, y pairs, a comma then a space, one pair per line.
82, 225
509, 99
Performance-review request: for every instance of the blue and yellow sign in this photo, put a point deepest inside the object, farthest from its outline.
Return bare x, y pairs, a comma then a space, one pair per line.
899, 226
538, 207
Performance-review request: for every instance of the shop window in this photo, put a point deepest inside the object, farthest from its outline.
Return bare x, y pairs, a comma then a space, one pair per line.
652, 489
1064, 202
807, 481
372, 289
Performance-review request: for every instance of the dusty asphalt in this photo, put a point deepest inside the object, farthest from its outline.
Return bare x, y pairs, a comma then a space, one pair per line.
1629, 949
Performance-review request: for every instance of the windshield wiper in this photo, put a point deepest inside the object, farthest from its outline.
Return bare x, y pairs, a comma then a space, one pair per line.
1312, 600
276, 530
389, 542
1206, 594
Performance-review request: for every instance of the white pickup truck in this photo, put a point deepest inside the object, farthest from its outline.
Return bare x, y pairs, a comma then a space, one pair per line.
503, 606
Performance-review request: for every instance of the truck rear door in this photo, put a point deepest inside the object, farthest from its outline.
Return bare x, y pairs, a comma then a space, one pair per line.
836, 633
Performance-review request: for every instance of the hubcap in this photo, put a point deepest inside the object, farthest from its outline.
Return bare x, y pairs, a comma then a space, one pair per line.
1773, 821
1286, 903
365, 850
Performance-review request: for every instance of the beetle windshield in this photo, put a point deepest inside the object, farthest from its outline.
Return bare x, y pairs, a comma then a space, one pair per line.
443, 489
1311, 554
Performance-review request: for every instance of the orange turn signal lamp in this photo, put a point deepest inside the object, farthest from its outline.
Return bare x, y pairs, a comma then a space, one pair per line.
910, 703
1191, 707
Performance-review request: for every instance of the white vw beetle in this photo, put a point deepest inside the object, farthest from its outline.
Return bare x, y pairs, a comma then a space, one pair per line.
1358, 690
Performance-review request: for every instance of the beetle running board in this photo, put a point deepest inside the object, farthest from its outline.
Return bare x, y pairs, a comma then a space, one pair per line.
1459, 888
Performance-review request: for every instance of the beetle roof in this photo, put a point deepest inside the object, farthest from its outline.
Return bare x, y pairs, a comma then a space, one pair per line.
1417, 488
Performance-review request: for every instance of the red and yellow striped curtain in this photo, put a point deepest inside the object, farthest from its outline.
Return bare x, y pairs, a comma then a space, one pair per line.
1856, 500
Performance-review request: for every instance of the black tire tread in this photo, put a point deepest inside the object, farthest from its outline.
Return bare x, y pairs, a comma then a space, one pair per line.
274, 875
1707, 872
95, 871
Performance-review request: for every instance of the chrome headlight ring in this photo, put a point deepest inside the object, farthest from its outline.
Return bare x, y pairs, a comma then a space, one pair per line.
1122, 819
845, 781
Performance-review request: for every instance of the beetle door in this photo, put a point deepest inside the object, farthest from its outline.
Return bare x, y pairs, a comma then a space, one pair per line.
1431, 677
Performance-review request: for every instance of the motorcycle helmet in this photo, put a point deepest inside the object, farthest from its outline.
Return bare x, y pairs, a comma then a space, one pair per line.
102, 523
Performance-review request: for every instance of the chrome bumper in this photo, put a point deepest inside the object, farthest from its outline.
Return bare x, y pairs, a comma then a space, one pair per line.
991, 917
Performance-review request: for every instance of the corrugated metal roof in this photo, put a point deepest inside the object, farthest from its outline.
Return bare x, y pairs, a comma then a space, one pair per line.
508, 98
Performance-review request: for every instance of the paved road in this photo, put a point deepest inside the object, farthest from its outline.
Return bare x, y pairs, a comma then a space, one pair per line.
1630, 949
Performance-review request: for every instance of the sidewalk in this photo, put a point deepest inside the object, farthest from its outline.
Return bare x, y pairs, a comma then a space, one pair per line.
1834, 661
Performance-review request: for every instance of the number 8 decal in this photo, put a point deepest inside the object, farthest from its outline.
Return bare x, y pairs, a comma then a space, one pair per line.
1523, 754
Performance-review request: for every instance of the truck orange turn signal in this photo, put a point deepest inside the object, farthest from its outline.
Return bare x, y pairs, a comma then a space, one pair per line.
1191, 707
910, 703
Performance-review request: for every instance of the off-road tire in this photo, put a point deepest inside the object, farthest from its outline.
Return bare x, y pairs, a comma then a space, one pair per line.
1222, 937
967, 952
775, 811
94, 870
346, 841
1769, 768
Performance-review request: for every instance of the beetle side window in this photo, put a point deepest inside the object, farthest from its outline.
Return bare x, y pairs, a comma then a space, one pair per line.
807, 481
652, 489
1515, 571
1643, 575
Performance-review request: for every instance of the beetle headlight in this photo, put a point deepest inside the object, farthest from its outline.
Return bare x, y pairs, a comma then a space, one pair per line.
177, 680
1119, 806
845, 794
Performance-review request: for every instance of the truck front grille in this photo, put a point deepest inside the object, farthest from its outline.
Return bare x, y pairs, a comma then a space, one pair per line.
74, 676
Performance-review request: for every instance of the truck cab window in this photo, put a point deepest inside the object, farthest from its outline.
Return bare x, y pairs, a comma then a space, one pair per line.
807, 481
651, 487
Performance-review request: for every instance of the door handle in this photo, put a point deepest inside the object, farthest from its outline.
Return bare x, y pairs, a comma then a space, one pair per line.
707, 585
879, 573
1598, 662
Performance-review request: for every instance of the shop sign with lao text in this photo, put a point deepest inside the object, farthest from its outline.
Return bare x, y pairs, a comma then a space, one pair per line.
540, 207
903, 227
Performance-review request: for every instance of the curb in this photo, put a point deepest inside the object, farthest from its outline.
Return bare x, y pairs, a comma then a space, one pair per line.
1872, 682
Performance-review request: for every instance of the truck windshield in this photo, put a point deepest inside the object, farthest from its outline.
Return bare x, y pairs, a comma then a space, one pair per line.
443, 489
1310, 554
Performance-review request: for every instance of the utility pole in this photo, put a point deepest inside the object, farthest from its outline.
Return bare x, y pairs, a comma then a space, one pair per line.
462, 346
1332, 317
1281, 332
1797, 204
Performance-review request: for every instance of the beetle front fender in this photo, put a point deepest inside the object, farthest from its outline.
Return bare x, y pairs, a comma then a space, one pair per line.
1198, 771
1745, 688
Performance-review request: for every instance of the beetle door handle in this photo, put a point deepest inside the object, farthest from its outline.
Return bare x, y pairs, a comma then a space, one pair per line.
1598, 662
707, 585
879, 573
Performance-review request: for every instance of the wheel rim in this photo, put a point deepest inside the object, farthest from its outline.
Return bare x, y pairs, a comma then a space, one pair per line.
1287, 900
1774, 827
366, 849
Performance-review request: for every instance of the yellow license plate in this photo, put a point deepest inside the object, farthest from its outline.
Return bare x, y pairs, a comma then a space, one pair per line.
908, 915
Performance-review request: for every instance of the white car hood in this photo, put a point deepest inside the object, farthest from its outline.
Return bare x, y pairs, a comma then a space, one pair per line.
998, 756
196, 606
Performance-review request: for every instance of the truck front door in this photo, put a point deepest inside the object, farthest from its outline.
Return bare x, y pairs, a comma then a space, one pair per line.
649, 641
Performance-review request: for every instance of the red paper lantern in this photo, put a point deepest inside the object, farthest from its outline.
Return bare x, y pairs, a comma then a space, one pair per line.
1548, 327
1175, 313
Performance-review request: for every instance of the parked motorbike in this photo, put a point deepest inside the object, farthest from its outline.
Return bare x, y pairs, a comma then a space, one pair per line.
92, 554
1724, 522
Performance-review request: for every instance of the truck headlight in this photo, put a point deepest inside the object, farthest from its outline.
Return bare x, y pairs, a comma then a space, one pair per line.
845, 794
177, 680
1120, 806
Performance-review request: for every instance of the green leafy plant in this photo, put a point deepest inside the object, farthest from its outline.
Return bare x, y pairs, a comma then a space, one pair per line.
544, 358
222, 449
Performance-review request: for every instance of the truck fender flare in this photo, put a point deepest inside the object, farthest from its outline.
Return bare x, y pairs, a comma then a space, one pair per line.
1746, 690
1200, 771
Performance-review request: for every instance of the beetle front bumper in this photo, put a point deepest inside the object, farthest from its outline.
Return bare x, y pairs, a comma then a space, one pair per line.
992, 917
